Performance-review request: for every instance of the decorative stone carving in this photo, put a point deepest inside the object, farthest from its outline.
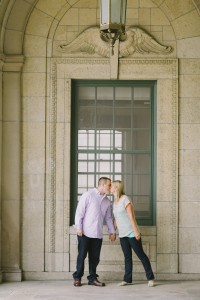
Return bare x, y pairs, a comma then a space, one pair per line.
137, 40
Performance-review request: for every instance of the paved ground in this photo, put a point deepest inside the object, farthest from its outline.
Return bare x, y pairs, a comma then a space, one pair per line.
64, 290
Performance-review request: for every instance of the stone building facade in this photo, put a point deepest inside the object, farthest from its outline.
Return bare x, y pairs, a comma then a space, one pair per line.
37, 240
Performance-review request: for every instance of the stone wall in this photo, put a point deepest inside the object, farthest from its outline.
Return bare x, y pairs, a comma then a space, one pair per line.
189, 170
37, 241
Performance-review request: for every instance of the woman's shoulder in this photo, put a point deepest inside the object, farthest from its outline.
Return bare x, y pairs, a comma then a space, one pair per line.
126, 199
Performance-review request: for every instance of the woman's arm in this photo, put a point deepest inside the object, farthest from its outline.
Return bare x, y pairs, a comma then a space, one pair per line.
131, 215
115, 224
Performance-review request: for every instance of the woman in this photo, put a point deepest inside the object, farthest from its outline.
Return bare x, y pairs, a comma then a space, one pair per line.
130, 237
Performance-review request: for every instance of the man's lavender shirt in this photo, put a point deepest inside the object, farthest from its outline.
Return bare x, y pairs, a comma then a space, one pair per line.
92, 210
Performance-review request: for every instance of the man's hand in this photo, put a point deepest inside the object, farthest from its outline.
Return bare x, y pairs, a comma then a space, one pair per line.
79, 232
112, 237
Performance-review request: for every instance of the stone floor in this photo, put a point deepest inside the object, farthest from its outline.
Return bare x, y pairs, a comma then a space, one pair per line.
64, 290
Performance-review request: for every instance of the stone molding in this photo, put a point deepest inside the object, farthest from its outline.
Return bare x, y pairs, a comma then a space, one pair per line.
53, 119
13, 63
165, 72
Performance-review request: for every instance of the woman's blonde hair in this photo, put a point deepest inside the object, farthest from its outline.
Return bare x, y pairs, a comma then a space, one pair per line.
120, 187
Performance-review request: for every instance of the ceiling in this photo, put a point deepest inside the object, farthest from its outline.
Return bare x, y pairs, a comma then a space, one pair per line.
15, 15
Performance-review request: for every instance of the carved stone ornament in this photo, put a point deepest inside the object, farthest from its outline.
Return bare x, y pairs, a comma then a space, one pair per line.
137, 40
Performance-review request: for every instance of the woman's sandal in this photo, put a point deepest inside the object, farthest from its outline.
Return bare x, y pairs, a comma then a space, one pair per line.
151, 283
123, 283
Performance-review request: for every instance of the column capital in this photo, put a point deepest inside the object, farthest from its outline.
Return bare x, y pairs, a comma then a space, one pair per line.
13, 63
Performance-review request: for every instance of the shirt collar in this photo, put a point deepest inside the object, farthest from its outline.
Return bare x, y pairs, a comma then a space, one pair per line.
97, 191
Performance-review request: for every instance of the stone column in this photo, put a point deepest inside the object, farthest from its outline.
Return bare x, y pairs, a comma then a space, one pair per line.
1, 67
11, 169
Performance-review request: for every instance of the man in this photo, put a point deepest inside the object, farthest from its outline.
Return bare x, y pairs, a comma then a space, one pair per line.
93, 209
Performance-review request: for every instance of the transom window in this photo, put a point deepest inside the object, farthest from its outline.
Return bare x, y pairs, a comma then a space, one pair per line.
112, 135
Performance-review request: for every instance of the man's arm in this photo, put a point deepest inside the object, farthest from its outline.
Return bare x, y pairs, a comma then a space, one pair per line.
80, 213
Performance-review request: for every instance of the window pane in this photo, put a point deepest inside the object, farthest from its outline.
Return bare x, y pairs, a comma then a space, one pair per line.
141, 164
118, 140
104, 163
127, 178
123, 103
122, 118
86, 156
86, 166
127, 164
91, 166
118, 166
86, 119
104, 156
141, 140
141, 117
123, 141
86, 181
104, 118
142, 206
123, 93
140, 184
86, 139
104, 166
91, 181
86, 93
82, 166
105, 93
104, 139
104, 103
142, 93
82, 181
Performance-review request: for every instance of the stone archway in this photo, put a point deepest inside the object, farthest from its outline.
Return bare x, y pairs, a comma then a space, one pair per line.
40, 196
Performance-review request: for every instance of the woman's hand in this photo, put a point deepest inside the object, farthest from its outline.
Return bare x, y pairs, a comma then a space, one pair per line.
112, 237
131, 215
138, 236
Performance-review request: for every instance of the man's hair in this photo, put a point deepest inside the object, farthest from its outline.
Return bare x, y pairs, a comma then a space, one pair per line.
103, 180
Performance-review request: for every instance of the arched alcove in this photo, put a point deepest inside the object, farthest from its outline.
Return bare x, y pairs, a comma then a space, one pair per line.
30, 33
